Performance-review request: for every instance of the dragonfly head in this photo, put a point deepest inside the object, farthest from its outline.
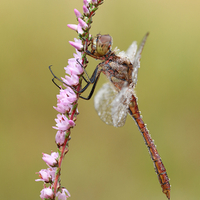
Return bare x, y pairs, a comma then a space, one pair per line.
102, 45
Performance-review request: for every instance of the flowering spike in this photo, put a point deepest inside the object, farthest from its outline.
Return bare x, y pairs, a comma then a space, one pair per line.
67, 104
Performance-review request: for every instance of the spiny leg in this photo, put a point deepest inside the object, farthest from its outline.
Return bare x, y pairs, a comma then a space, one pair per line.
84, 72
92, 90
93, 80
55, 77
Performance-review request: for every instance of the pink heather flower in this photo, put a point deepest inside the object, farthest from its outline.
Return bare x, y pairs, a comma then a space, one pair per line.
85, 10
45, 175
76, 45
74, 67
79, 29
60, 137
63, 123
52, 172
78, 53
54, 155
94, 1
71, 96
63, 195
85, 2
71, 80
82, 23
50, 159
73, 26
63, 107
78, 41
77, 13
46, 193
65, 100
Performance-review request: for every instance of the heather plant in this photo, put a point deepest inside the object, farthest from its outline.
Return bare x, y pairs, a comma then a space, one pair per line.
67, 104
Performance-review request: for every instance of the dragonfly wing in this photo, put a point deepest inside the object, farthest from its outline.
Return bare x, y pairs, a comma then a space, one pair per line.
131, 51
103, 101
111, 106
120, 106
136, 61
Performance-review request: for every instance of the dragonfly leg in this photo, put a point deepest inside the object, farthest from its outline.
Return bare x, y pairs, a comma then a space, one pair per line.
55, 77
84, 71
93, 80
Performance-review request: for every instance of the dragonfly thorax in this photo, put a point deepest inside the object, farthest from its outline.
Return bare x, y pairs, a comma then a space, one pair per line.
118, 71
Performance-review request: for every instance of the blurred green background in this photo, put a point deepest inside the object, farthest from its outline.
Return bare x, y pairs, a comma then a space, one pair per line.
103, 162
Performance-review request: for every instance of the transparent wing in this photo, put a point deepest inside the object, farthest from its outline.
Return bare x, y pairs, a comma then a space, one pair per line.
131, 51
112, 107
102, 102
136, 61
120, 106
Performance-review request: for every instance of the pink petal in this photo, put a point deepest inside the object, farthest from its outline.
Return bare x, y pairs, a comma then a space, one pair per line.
77, 13
76, 45
49, 159
60, 137
80, 30
85, 2
94, 1
85, 10
72, 80
73, 26
82, 23
46, 193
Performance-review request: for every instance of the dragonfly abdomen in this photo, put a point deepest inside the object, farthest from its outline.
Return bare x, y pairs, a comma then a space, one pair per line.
158, 164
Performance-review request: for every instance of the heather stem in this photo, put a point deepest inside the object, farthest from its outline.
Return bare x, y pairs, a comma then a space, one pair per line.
59, 163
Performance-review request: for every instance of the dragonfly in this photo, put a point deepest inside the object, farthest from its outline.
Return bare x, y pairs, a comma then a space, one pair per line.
116, 99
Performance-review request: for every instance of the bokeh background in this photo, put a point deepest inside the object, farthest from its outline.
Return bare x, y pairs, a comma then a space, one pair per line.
103, 162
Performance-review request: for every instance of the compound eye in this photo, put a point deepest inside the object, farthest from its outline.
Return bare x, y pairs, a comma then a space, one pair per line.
103, 44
